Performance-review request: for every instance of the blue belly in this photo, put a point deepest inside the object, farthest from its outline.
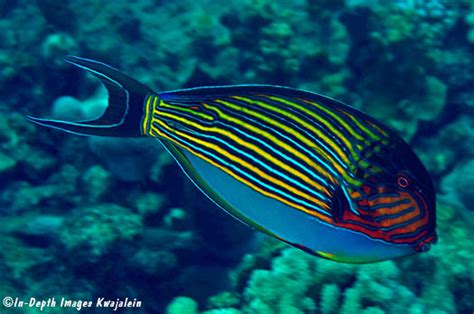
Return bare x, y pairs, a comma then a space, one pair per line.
278, 219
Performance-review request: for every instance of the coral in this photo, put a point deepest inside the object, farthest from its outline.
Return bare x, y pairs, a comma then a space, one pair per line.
148, 203
470, 22
297, 282
456, 136
457, 185
6, 163
95, 229
96, 182
177, 219
267, 290
407, 62
223, 300
181, 305
405, 109
15, 137
427, 22
330, 298
56, 46
154, 263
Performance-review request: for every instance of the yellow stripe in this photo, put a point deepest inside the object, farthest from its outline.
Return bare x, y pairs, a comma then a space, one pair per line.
361, 126
273, 139
239, 178
314, 130
325, 139
250, 146
147, 115
326, 255
336, 117
298, 135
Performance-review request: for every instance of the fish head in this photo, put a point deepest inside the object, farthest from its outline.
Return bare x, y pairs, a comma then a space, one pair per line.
397, 202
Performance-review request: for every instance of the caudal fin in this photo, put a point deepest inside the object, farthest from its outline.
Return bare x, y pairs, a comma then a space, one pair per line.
125, 106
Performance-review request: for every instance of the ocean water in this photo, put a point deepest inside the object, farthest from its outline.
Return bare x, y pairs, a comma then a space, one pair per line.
98, 225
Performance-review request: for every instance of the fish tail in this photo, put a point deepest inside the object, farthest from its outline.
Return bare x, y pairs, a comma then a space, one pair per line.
123, 115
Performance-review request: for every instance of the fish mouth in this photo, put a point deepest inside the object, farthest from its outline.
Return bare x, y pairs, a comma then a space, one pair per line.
424, 245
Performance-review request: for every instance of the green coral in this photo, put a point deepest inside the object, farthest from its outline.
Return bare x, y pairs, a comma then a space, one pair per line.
95, 229
403, 110
6, 163
181, 305
96, 182
330, 298
284, 288
148, 203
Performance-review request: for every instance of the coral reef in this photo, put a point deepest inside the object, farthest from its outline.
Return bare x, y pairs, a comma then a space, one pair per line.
83, 218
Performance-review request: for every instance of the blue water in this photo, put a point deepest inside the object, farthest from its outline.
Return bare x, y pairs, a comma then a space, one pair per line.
89, 218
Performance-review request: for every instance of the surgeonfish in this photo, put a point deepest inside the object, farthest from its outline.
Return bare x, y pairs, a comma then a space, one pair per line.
301, 167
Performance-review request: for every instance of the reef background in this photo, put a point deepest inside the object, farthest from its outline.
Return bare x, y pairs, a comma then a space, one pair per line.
83, 218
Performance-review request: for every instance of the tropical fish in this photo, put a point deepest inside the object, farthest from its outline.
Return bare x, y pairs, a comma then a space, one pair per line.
298, 166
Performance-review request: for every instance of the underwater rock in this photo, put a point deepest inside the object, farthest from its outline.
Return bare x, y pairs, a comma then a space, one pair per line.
396, 59
67, 108
72, 109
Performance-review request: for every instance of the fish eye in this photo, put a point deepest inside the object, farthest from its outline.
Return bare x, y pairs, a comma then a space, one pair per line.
403, 181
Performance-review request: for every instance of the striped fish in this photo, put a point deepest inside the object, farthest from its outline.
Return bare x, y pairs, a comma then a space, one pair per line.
298, 166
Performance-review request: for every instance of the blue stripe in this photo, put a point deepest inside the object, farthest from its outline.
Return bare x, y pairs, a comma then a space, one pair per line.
288, 140
248, 176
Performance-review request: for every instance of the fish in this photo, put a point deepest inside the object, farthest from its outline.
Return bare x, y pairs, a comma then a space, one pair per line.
301, 167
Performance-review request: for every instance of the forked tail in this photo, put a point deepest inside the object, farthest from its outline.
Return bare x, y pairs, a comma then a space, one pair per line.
125, 106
